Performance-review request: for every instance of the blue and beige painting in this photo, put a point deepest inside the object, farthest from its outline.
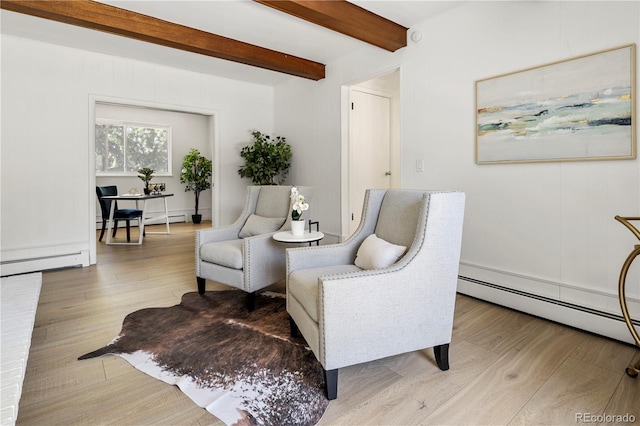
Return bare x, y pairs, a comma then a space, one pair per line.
563, 123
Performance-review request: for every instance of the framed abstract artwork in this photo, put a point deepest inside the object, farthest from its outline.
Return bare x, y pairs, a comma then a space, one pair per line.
577, 109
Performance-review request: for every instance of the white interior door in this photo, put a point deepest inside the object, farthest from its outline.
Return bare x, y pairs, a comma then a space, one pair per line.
370, 144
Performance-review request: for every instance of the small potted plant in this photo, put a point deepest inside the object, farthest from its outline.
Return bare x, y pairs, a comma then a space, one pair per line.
298, 206
196, 172
267, 161
146, 174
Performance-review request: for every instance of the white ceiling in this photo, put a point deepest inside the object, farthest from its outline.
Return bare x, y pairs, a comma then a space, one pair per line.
242, 20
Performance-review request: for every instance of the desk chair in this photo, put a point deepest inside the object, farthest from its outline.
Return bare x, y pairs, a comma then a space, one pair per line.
119, 214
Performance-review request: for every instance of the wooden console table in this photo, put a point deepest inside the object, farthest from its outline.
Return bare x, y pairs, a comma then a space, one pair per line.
634, 368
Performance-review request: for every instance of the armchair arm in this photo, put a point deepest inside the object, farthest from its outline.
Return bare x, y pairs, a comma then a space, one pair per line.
318, 256
211, 235
223, 233
264, 261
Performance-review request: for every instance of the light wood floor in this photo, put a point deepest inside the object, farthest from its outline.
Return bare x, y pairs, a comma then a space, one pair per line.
506, 367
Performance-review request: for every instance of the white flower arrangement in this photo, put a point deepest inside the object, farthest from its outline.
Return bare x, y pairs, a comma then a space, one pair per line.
299, 205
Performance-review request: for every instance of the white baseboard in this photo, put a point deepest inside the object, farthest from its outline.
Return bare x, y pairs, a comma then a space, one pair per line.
41, 259
174, 217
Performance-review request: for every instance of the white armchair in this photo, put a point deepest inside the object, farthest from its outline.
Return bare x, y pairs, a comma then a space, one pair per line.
244, 254
349, 314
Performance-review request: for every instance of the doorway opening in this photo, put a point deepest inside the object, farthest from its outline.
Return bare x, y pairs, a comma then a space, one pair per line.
209, 133
370, 143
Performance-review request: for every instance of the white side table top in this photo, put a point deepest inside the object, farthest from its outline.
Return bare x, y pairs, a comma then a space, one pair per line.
307, 237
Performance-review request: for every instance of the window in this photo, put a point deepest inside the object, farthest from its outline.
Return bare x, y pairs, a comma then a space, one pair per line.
124, 148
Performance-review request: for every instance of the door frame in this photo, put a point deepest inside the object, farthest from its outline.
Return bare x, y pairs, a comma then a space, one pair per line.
212, 137
345, 132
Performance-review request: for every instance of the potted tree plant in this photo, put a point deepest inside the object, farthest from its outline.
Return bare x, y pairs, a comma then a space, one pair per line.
267, 161
146, 174
196, 172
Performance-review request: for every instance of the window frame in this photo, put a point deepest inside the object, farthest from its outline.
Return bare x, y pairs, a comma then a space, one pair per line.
124, 124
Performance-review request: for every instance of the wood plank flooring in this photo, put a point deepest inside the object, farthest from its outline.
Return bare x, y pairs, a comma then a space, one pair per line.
507, 368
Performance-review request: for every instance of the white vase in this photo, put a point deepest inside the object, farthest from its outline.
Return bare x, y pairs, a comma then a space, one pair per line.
297, 227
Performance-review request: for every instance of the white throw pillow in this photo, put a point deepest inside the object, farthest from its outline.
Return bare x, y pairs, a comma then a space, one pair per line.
257, 225
376, 253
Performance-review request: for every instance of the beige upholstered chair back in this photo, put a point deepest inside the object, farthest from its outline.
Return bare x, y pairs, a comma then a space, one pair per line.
398, 218
273, 201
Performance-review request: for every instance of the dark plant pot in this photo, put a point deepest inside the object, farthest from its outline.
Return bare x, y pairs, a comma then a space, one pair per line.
146, 191
196, 218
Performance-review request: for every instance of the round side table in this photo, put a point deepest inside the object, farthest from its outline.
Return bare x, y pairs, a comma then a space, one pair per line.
307, 237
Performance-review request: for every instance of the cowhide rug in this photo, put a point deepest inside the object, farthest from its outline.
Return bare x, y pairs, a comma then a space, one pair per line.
244, 368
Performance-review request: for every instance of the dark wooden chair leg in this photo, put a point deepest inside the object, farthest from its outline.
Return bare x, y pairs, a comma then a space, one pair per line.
104, 227
295, 331
251, 301
202, 284
115, 228
442, 356
128, 231
331, 380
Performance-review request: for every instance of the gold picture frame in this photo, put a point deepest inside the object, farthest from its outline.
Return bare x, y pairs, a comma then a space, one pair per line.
577, 109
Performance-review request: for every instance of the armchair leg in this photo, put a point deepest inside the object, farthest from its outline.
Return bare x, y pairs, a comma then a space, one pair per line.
295, 331
331, 380
202, 284
251, 301
442, 356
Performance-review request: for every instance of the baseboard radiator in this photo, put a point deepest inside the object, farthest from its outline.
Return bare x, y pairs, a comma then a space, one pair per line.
173, 218
577, 316
42, 262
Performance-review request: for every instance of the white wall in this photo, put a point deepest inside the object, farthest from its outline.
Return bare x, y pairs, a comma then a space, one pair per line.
309, 115
545, 228
48, 192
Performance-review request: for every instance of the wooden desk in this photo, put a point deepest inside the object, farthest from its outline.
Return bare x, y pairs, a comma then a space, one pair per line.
137, 198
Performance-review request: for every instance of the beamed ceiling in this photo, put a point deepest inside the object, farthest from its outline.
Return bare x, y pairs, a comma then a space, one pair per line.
267, 34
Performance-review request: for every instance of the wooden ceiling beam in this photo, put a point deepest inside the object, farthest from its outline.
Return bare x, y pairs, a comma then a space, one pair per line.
346, 18
102, 17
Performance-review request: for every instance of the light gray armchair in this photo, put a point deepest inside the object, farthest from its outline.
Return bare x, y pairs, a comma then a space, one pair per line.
244, 254
351, 314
